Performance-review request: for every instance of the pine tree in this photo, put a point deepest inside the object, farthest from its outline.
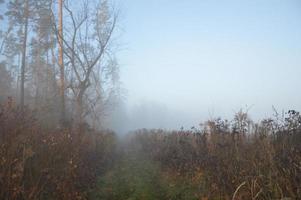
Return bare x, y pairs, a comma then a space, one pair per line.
19, 13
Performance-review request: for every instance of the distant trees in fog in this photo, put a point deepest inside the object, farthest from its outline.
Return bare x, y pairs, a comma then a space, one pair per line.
48, 62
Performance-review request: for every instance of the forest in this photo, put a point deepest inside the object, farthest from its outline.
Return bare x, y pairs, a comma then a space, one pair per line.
60, 80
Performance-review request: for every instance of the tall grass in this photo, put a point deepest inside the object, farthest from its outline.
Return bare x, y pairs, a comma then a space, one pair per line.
235, 159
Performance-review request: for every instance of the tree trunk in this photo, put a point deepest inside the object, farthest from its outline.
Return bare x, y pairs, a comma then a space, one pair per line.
24, 54
61, 61
79, 110
79, 101
80, 104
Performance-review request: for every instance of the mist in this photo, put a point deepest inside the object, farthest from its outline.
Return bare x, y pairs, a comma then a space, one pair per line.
152, 100
189, 61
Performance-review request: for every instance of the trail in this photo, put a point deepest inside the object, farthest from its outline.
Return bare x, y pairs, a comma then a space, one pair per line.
134, 177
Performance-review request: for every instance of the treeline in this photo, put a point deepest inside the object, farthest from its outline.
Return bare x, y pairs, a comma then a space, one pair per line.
235, 159
58, 58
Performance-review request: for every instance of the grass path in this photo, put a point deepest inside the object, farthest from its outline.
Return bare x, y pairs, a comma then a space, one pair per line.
135, 177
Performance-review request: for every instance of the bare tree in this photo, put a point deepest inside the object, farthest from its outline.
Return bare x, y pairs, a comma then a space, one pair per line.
86, 43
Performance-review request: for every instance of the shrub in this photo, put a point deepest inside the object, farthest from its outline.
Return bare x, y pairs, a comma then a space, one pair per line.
36, 163
236, 159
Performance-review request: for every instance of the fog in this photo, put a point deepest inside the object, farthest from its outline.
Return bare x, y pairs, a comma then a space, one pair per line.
172, 63
187, 61
157, 99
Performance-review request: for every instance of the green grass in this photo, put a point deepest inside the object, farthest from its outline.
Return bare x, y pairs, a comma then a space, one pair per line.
135, 177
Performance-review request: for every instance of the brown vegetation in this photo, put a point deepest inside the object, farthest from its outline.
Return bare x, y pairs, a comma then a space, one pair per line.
232, 160
224, 160
36, 163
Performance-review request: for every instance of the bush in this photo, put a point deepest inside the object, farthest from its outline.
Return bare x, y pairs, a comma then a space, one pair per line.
236, 160
36, 163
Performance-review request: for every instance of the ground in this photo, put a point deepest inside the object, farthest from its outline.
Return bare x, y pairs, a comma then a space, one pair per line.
136, 177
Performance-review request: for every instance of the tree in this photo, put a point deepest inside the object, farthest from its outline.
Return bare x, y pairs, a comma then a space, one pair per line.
86, 43
61, 60
42, 84
5, 82
3, 34
19, 13
25, 32
9, 49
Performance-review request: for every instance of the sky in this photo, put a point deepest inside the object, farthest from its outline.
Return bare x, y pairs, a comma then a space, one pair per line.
188, 61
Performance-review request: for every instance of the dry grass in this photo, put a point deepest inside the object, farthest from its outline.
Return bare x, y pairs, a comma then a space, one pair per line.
235, 159
37, 163
238, 159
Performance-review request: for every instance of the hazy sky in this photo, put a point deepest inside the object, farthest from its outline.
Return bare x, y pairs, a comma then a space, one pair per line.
207, 58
